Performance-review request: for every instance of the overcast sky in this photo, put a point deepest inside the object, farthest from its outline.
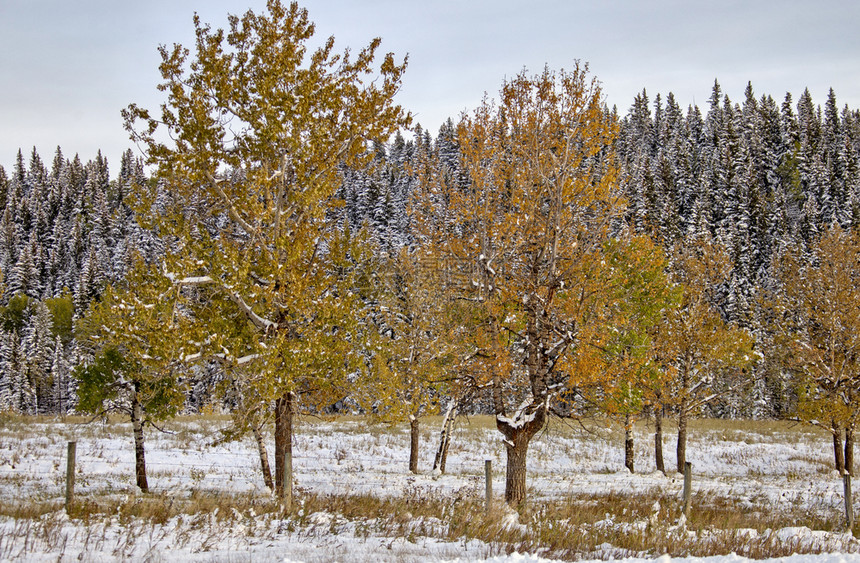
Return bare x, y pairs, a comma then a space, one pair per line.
68, 68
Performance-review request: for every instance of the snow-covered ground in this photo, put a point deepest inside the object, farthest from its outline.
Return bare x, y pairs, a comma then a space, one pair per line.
769, 467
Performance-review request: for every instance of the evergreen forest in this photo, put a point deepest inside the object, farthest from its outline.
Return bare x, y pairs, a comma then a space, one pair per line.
759, 178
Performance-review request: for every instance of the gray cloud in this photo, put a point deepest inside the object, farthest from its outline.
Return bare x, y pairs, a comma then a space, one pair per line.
69, 67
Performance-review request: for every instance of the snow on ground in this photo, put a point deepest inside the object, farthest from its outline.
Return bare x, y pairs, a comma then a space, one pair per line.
779, 467
731, 558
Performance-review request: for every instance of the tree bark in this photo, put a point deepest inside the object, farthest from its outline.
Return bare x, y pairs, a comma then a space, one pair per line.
413, 444
444, 440
838, 452
658, 438
681, 449
443, 460
264, 457
284, 410
849, 450
515, 474
517, 438
628, 442
139, 454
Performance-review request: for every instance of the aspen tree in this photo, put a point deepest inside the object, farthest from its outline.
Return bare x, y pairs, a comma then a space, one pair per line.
414, 352
521, 243
696, 343
137, 337
246, 151
626, 351
820, 321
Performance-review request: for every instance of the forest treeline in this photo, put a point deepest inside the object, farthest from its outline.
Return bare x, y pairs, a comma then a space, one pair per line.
758, 177
67, 230
542, 256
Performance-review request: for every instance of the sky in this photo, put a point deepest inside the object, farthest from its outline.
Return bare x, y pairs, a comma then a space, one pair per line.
68, 68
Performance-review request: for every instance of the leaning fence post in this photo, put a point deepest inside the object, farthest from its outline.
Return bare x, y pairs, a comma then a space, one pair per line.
849, 500
488, 476
688, 487
70, 475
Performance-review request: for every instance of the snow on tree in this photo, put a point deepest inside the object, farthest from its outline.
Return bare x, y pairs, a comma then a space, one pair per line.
523, 241
695, 342
136, 339
819, 320
413, 354
248, 205
626, 355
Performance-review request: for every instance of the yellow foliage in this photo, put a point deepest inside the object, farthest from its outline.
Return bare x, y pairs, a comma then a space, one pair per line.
521, 241
694, 341
247, 152
821, 320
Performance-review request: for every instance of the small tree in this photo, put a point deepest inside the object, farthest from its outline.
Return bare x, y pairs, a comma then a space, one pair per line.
641, 295
819, 317
235, 347
137, 342
695, 342
14, 315
62, 313
249, 411
413, 351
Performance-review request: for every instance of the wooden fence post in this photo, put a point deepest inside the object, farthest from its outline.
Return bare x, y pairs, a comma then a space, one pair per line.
688, 487
70, 475
488, 476
849, 500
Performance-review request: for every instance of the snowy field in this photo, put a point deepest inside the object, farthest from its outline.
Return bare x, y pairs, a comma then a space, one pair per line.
760, 489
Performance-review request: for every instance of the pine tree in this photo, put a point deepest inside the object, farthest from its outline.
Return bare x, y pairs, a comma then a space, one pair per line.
37, 345
63, 398
4, 186
24, 278
7, 369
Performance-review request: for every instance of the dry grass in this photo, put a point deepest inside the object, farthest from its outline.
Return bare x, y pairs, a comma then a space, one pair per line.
592, 526
574, 526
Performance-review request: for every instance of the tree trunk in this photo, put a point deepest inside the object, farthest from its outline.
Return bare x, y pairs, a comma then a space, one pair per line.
139, 455
837, 446
658, 437
264, 457
681, 449
284, 410
413, 444
517, 437
449, 427
849, 450
515, 475
628, 442
444, 440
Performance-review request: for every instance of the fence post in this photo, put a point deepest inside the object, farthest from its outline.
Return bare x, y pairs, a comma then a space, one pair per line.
688, 487
70, 475
849, 500
488, 476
